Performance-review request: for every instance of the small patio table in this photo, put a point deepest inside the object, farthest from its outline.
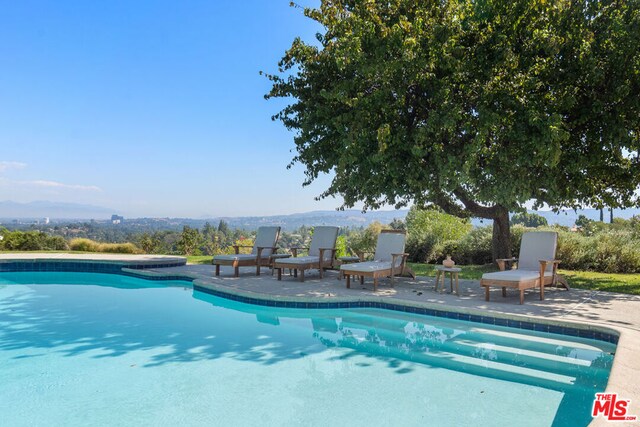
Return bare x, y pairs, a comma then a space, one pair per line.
453, 272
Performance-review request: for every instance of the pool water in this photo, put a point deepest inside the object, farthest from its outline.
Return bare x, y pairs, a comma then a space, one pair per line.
97, 349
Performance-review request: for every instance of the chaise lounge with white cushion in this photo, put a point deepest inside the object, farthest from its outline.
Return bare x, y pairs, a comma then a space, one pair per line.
261, 252
388, 260
536, 266
322, 252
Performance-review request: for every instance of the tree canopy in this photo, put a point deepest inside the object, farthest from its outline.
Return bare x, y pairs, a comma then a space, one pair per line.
473, 106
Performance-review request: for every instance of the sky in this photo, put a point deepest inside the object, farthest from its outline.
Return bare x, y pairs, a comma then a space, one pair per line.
151, 108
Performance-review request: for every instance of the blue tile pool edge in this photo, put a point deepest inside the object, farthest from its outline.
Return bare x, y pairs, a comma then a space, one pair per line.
599, 335
127, 269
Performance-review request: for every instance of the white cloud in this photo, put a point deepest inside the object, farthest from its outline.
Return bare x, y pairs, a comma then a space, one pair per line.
48, 185
4, 166
55, 184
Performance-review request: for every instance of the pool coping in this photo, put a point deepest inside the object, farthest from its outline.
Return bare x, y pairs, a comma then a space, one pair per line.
626, 339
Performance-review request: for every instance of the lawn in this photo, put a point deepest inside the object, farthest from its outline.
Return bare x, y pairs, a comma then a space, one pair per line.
610, 282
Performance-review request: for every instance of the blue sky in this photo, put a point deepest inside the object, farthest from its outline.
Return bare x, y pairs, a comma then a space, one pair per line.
152, 108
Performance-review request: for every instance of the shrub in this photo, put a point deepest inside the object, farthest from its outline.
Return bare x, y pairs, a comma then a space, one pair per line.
32, 241
429, 230
88, 245
83, 245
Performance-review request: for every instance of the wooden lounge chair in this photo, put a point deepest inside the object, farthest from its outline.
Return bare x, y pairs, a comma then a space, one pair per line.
261, 252
322, 252
536, 266
389, 260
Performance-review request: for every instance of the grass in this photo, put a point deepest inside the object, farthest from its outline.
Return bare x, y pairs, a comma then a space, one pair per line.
609, 282
199, 259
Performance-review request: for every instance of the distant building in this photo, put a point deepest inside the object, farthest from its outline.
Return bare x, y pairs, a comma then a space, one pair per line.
45, 220
116, 219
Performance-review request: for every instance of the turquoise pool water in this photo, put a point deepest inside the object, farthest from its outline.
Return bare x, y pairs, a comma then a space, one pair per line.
81, 349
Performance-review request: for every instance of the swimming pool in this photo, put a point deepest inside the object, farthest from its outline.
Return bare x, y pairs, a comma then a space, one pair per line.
105, 349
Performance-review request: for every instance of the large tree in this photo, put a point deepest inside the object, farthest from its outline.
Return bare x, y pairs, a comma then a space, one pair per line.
474, 106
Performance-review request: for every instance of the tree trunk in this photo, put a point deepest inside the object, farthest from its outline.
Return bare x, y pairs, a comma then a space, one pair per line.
501, 242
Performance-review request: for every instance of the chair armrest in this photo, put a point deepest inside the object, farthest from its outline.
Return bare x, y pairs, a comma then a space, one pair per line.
361, 254
294, 250
322, 251
502, 262
543, 265
236, 248
259, 250
404, 256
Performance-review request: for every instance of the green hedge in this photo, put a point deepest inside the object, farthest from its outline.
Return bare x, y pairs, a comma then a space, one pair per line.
612, 249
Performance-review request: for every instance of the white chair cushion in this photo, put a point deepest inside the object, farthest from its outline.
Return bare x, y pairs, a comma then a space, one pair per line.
299, 260
266, 237
536, 246
389, 243
238, 257
323, 237
515, 275
367, 266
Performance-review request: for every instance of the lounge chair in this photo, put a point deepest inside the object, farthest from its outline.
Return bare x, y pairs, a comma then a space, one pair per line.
388, 260
536, 266
322, 252
263, 248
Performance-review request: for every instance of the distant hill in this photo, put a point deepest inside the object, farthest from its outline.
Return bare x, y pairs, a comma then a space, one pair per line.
54, 210
568, 217
346, 218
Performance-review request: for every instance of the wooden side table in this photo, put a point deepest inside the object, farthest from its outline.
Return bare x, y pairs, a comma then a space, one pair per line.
453, 273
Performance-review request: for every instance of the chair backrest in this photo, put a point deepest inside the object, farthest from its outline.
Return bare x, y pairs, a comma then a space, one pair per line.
323, 237
536, 246
266, 238
390, 242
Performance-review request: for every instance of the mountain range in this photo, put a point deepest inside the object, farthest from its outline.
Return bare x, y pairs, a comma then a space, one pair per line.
348, 218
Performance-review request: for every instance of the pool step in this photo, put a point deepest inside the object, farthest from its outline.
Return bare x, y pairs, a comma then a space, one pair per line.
471, 346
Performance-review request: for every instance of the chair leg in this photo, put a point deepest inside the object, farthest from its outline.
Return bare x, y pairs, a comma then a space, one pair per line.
486, 293
562, 281
375, 284
279, 272
521, 296
348, 280
302, 275
217, 269
504, 292
362, 280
